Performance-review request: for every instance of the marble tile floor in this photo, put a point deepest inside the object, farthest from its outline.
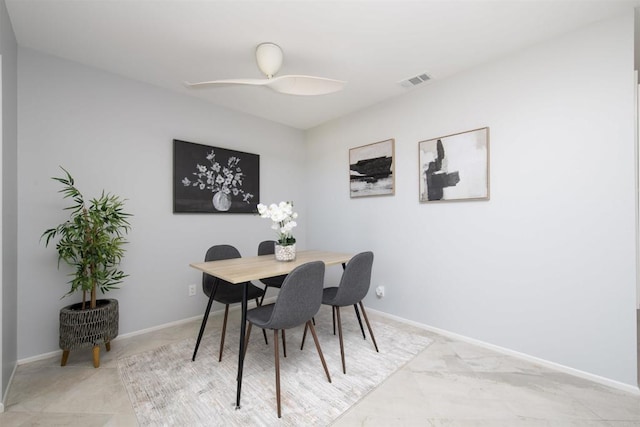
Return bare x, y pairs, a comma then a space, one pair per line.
451, 383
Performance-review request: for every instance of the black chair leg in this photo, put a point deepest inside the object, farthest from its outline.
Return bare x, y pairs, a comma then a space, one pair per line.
284, 344
204, 324
264, 333
333, 312
304, 335
366, 319
359, 321
263, 295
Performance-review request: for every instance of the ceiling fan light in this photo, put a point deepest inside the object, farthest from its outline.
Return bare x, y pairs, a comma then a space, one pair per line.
269, 58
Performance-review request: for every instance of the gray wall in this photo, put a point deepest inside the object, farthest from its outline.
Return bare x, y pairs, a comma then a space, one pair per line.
9, 231
116, 134
547, 266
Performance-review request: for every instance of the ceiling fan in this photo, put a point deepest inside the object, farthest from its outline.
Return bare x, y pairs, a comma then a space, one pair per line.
269, 58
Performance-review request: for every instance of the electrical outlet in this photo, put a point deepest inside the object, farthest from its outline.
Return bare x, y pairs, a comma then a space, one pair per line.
192, 290
380, 291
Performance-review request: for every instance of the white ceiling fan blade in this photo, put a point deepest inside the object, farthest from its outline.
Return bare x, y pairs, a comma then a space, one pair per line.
305, 85
269, 58
291, 85
254, 82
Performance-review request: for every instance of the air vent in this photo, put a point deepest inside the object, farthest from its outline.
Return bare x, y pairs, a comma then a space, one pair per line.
414, 81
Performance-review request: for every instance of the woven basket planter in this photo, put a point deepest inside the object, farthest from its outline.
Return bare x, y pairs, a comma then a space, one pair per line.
88, 328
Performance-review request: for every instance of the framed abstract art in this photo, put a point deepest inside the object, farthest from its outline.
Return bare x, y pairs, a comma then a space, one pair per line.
371, 169
455, 167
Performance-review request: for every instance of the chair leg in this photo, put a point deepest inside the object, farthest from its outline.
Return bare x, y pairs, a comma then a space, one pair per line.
315, 339
366, 319
304, 335
284, 344
224, 330
264, 333
344, 368
277, 361
359, 321
204, 324
264, 294
333, 312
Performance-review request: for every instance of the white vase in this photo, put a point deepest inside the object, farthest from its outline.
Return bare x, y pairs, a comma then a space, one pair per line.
285, 253
221, 201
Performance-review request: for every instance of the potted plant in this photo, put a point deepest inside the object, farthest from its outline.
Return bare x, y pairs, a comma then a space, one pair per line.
283, 218
92, 242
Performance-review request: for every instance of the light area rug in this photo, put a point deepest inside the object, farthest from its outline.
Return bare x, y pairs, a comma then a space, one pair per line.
167, 389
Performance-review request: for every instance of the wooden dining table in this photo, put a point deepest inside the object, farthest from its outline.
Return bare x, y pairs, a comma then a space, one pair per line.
240, 271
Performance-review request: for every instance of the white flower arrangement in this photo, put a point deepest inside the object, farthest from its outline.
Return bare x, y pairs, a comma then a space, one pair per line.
226, 179
283, 218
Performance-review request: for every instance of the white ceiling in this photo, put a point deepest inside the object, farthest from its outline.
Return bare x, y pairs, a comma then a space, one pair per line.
371, 44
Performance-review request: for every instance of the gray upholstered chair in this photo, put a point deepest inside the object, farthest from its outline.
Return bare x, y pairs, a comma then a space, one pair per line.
268, 247
352, 289
223, 292
298, 301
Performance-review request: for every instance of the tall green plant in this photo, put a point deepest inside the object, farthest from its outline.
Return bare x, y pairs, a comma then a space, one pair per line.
91, 240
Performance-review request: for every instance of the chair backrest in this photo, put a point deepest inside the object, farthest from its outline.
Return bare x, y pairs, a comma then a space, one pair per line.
300, 296
267, 247
355, 281
217, 253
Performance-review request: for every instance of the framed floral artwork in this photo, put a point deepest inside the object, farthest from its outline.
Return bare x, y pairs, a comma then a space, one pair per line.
371, 169
214, 180
455, 167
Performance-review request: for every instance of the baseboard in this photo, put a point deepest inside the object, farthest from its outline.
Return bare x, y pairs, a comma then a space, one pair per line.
523, 356
115, 340
234, 307
4, 398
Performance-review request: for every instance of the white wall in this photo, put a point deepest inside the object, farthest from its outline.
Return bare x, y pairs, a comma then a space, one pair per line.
546, 267
116, 134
